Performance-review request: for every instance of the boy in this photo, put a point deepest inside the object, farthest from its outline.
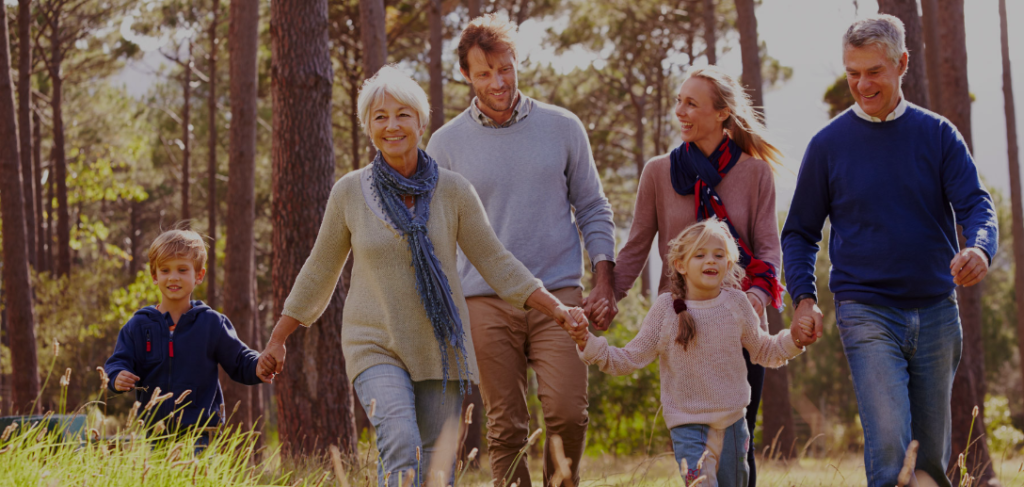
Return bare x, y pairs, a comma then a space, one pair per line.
178, 344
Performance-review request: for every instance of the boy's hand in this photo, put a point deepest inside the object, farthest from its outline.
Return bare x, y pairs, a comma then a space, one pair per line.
125, 381
802, 331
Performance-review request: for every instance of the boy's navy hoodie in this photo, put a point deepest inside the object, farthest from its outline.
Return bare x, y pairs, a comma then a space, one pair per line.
186, 360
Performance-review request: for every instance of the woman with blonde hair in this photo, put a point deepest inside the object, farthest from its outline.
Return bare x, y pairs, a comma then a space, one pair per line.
723, 168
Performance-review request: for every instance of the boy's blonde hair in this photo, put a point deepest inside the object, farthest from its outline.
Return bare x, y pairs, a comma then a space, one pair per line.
177, 244
682, 248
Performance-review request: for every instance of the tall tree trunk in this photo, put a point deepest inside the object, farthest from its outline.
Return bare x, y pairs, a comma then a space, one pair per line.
211, 168
915, 83
374, 35
60, 172
932, 53
41, 261
1015, 193
239, 271
474, 8
436, 16
28, 174
353, 123
51, 216
186, 139
969, 384
135, 231
17, 286
309, 416
776, 409
746, 23
709, 31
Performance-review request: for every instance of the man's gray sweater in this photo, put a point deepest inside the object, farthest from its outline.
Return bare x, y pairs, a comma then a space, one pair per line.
531, 176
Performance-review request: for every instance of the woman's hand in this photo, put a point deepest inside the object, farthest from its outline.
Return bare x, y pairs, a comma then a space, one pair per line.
271, 361
755, 301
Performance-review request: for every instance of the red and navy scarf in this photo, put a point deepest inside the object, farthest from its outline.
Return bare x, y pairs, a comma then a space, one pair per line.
694, 173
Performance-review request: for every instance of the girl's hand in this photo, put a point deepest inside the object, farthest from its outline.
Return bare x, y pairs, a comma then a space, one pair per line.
803, 332
755, 301
125, 381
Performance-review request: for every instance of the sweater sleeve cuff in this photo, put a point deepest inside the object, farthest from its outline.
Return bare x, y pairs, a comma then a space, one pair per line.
595, 345
297, 316
789, 345
761, 295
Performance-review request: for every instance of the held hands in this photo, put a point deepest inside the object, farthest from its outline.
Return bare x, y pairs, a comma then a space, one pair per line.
969, 267
271, 361
803, 332
807, 323
573, 321
125, 381
600, 306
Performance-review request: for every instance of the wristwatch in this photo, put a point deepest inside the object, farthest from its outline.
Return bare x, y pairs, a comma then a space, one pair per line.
796, 302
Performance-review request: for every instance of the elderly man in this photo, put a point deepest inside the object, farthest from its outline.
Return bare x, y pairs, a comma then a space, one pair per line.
894, 180
532, 166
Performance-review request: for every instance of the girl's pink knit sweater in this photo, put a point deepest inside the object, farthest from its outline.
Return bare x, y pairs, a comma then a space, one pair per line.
707, 382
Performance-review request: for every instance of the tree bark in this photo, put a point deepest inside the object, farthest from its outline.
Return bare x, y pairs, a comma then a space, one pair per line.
374, 35
28, 174
310, 416
915, 82
969, 383
932, 53
211, 168
709, 31
746, 23
1015, 193
239, 268
436, 19
42, 261
60, 162
186, 139
51, 215
776, 409
474, 8
18, 287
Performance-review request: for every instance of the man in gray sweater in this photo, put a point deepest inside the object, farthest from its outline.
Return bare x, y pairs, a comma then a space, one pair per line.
531, 164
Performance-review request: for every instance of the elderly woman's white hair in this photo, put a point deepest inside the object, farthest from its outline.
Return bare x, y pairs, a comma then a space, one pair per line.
399, 85
885, 31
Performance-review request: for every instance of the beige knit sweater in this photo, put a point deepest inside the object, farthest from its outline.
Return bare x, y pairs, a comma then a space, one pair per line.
384, 321
707, 383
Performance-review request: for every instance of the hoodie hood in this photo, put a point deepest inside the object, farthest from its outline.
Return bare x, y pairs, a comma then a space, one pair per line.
152, 314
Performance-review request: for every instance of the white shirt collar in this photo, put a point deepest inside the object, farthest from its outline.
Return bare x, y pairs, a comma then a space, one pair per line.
901, 108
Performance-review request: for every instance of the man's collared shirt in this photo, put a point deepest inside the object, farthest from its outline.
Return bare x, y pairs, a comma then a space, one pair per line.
522, 109
901, 108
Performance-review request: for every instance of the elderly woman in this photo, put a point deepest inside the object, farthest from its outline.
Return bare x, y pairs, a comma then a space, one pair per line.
724, 163
405, 334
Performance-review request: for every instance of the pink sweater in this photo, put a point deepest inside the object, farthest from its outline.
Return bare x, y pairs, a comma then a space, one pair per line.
748, 192
707, 383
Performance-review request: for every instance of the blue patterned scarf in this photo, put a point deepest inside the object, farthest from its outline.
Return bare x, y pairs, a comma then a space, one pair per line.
431, 282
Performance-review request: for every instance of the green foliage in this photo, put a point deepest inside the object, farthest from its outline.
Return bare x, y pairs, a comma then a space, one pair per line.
625, 411
838, 96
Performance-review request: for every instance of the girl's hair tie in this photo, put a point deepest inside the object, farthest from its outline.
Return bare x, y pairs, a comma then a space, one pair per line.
679, 305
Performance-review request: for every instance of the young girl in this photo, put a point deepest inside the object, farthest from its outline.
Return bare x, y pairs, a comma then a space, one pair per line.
699, 331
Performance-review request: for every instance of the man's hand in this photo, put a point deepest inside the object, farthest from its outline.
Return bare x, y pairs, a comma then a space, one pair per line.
807, 310
602, 296
755, 301
969, 267
271, 361
803, 332
125, 381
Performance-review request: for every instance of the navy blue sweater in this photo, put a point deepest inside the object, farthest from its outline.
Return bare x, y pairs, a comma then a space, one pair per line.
187, 360
891, 191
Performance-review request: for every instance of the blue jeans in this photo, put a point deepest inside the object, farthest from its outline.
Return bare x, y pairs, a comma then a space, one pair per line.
903, 362
408, 416
690, 440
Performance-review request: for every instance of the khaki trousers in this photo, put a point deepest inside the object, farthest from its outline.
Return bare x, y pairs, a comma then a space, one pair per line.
507, 341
